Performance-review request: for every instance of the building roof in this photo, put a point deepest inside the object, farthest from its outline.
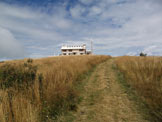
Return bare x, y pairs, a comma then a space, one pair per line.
89, 51
73, 47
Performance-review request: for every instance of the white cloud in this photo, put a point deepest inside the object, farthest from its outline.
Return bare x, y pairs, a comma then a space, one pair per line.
18, 12
149, 50
86, 2
95, 11
9, 46
77, 11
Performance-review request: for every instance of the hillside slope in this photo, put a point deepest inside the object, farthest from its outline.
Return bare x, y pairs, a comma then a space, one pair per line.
42, 89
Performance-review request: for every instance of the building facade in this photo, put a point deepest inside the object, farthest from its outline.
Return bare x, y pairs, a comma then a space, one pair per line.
74, 50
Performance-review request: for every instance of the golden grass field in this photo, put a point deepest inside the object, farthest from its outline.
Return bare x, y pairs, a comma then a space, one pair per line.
144, 74
41, 89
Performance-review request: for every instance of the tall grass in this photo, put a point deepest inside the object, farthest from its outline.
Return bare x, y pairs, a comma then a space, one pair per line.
42, 89
144, 74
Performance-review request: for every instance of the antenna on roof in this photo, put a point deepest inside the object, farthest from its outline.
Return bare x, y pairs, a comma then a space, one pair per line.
91, 46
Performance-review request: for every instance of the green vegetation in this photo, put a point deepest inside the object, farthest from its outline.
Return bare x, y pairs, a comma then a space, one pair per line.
17, 76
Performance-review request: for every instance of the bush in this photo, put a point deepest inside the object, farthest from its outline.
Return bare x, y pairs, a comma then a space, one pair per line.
142, 54
30, 60
17, 76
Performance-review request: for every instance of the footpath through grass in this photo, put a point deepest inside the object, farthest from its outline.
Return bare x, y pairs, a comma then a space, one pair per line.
103, 99
41, 90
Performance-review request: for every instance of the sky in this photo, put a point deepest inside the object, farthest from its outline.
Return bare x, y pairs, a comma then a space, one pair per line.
38, 28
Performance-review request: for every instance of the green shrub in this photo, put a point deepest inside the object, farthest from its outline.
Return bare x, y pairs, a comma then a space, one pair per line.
30, 60
17, 76
143, 54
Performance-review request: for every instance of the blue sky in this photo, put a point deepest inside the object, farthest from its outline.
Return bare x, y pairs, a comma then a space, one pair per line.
38, 28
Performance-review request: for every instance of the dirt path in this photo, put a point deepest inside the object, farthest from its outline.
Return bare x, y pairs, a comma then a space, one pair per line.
104, 100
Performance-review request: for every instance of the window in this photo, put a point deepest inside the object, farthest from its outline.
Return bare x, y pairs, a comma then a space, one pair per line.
81, 49
64, 50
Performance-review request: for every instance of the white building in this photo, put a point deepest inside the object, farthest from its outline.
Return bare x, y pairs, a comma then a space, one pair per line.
74, 50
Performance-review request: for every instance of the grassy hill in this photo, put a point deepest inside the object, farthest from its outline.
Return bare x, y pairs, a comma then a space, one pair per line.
81, 89
41, 89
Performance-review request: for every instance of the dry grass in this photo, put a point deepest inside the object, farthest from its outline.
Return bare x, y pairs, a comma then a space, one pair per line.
145, 75
52, 91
